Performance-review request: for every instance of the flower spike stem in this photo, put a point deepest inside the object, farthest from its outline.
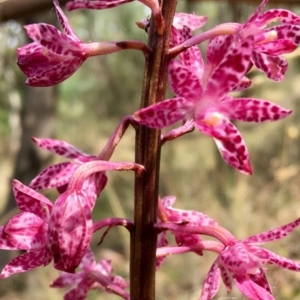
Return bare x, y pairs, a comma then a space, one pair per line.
110, 222
137, 45
144, 236
116, 137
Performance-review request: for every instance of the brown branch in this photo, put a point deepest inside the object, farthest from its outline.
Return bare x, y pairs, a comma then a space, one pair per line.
21, 9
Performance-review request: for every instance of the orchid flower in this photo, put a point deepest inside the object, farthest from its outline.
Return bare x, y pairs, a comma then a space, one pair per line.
54, 56
91, 276
243, 261
26, 231
70, 224
205, 100
192, 218
273, 41
58, 175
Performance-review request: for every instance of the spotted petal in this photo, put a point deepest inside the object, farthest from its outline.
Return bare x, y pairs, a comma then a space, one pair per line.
189, 20
231, 69
211, 283
184, 82
64, 22
251, 290
5, 243
273, 66
277, 15
70, 231
289, 32
253, 18
62, 148
274, 234
235, 154
164, 114
228, 140
29, 200
54, 176
280, 46
95, 4
282, 262
26, 231
253, 110
23, 263
54, 74
53, 40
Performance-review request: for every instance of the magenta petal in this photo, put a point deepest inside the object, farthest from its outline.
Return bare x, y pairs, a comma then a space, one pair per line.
211, 283
253, 110
228, 140
27, 231
81, 290
277, 15
164, 114
255, 15
242, 85
191, 57
88, 261
93, 186
32, 59
62, 148
24, 262
260, 278
235, 154
184, 82
189, 20
288, 31
251, 290
55, 74
226, 278
95, 4
5, 243
29, 200
274, 66
67, 279
64, 22
54, 176
274, 234
231, 69
281, 261
53, 40
277, 47
216, 49
70, 230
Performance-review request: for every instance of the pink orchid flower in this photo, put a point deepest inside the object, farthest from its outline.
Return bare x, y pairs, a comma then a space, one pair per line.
58, 175
26, 231
92, 276
205, 100
273, 41
70, 224
178, 216
243, 261
54, 56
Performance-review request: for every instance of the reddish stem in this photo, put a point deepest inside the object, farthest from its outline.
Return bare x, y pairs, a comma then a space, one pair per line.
144, 235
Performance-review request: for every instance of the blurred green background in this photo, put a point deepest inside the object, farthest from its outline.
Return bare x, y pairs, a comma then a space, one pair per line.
85, 109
